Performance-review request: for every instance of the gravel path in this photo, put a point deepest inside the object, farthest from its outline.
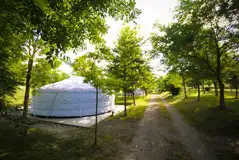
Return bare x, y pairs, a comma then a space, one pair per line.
190, 137
156, 138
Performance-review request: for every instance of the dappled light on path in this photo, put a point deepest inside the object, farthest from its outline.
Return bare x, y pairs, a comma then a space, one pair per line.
155, 136
190, 137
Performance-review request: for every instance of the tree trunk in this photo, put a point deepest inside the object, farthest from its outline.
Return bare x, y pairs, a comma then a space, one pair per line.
27, 91
125, 109
96, 115
218, 73
133, 99
145, 92
184, 89
236, 91
215, 88
209, 86
222, 99
203, 88
198, 86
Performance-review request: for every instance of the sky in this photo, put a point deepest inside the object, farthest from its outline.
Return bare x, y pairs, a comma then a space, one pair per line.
152, 11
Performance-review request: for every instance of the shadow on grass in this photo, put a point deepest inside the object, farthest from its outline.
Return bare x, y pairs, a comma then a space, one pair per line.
222, 126
206, 116
39, 144
119, 100
134, 113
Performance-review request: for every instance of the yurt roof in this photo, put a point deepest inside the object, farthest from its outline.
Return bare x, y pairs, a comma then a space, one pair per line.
72, 84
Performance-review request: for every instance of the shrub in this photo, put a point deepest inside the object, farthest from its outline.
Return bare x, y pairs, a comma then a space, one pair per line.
207, 89
173, 90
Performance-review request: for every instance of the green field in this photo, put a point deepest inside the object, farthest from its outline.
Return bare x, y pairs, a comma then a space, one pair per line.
77, 143
18, 97
133, 112
205, 114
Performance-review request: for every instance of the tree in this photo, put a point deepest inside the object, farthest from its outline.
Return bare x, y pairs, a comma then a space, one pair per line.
93, 75
235, 83
64, 24
201, 41
49, 74
177, 55
142, 77
10, 53
33, 46
61, 25
86, 66
171, 82
126, 64
147, 79
218, 38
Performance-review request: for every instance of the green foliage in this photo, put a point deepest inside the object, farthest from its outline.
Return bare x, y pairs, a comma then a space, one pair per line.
169, 82
128, 66
10, 55
64, 24
17, 99
43, 73
198, 45
88, 66
32, 25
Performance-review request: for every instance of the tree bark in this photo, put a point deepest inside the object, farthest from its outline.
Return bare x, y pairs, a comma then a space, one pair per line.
133, 99
209, 86
184, 88
125, 100
236, 92
203, 88
198, 86
27, 91
215, 88
96, 115
219, 78
125, 109
222, 99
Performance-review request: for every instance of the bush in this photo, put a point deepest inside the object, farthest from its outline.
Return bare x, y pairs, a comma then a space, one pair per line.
173, 90
207, 89
2, 104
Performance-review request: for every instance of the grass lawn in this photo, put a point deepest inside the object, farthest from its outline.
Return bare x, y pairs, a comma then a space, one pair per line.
221, 126
18, 97
40, 145
114, 136
134, 113
163, 110
205, 114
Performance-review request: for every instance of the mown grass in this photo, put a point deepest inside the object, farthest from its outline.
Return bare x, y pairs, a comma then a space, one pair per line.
134, 113
163, 110
40, 145
119, 100
221, 126
205, 114
18, 98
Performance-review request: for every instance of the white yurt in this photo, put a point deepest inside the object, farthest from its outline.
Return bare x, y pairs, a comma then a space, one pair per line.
69, 98
139, 92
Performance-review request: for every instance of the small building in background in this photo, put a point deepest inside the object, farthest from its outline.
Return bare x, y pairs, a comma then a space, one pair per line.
139, 92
